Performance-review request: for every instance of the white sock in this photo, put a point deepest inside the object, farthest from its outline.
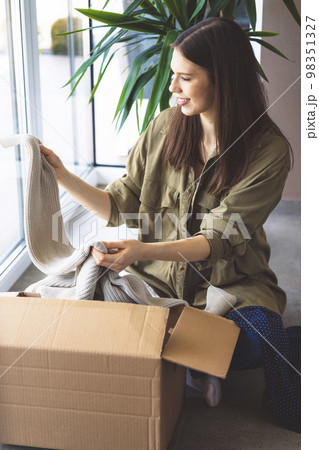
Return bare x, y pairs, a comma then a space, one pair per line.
210, 387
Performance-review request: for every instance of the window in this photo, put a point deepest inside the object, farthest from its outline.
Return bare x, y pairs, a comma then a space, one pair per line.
11, 234
112, 147
33, 69
66, 124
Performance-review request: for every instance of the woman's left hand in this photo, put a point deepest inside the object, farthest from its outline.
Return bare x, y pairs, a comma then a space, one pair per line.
127, 252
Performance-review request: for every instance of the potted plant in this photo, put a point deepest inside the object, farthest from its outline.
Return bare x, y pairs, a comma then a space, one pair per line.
162, 20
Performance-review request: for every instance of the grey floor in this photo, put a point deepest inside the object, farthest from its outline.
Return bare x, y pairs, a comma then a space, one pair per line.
240, 421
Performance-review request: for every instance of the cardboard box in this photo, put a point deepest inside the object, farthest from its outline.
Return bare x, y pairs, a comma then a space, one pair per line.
98, 375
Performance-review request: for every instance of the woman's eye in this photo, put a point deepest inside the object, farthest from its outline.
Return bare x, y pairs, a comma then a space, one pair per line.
173, 76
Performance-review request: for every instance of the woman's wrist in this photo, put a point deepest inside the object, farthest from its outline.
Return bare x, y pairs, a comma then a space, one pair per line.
159, 251
62, 175
146, 252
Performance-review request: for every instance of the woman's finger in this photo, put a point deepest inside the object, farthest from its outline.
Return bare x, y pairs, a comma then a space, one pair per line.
113, 245
111, 265
105, 258
46, 151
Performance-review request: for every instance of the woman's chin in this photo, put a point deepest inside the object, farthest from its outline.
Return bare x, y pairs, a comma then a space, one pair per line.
187, 111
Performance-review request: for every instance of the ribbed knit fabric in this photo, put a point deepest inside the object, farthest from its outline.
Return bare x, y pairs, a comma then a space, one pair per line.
73, 273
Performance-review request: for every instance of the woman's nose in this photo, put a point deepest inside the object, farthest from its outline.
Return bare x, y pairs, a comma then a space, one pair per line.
174, 87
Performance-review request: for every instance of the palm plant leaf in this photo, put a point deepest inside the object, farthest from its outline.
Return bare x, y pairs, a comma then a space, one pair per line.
161, 8
200, 15
134, 72
270, 47
148, 5
165, 97
75, 85
100, 76
138, 86
261, 33
229, 10
179, 11
79, 31
199, 7
260, 70
251, 11
135, 4
216, 6
128, 22
104, 38
161, 76
104, 49
138, 13
293, 10
129, 10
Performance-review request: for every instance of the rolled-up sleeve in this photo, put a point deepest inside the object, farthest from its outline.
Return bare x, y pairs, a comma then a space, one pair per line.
230, 226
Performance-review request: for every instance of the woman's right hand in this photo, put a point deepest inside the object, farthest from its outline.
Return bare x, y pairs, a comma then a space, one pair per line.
54, 160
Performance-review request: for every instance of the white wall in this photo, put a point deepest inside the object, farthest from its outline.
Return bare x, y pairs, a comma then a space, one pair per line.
281, 74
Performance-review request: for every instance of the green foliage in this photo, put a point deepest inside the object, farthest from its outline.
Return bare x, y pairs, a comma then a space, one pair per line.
60, 42
160, 21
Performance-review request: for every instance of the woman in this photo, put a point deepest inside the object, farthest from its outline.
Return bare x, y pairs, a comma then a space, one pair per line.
200, 183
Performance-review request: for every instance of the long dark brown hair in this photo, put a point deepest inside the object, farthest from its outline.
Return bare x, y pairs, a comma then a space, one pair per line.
223, 49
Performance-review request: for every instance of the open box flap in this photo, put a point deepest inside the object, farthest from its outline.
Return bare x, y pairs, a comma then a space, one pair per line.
202, 341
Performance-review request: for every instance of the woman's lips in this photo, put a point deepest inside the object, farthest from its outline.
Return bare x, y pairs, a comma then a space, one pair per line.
182, 101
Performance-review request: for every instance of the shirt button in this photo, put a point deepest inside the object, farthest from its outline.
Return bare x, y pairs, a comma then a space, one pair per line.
182, 268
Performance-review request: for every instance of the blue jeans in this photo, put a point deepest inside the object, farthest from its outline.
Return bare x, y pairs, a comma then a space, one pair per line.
248, 352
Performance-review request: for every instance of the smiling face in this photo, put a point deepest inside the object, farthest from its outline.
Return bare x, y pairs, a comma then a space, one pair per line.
192, 87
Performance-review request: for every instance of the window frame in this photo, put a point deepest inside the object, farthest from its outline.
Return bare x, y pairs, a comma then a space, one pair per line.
23, 52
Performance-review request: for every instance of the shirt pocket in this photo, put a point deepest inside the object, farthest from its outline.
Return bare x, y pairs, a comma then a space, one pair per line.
207, 201
205, 206
158, 213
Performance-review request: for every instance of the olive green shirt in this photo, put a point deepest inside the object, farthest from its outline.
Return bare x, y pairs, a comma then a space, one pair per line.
168, 205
